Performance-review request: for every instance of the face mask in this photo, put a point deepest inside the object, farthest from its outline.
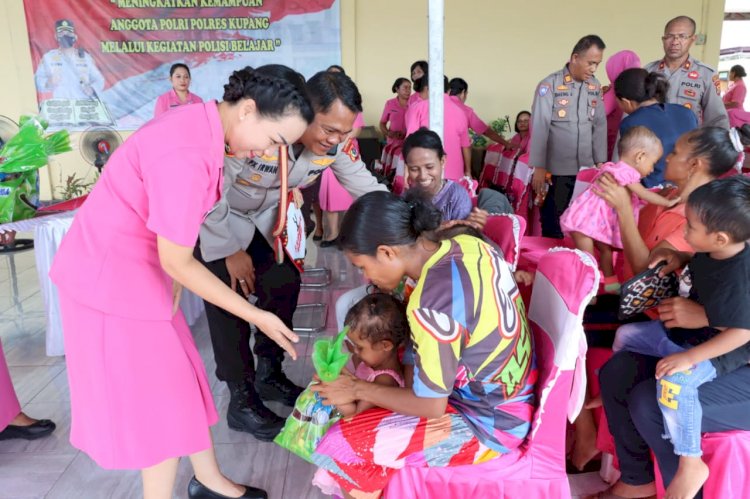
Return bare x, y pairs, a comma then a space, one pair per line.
66, 41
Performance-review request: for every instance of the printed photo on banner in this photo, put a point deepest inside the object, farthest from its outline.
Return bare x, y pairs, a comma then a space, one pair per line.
107, 62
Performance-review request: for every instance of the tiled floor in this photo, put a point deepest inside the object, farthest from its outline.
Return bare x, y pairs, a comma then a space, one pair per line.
52, 468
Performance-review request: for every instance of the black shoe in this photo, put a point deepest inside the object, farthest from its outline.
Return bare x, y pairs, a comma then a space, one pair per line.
272, 384
197, 490
247, 413
40, 429
317, 237
329, 243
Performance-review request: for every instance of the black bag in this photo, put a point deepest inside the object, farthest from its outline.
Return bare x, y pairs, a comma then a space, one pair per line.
645, 291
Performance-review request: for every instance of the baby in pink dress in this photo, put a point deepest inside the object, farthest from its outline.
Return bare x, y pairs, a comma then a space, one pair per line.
590, 221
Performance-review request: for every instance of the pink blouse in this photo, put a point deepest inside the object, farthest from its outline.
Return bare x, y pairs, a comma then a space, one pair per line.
169, 100
395, 115
475, 123
736, 93
163, 181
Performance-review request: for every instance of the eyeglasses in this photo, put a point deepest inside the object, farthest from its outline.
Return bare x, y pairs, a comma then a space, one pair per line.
681, 37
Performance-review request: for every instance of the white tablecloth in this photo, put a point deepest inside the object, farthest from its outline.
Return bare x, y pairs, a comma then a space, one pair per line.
48, 234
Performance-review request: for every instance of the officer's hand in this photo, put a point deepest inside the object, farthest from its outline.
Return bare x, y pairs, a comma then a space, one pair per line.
241, 270
539, 181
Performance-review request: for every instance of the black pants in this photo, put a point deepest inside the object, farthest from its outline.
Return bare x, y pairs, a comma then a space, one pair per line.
277, 288
635, 421
557, 200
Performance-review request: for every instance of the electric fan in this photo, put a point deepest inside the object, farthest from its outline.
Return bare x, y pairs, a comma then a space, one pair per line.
8, 128
97, 145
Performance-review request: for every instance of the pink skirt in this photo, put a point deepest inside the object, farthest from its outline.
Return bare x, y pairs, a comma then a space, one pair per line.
333, 197
9, 406
139, 393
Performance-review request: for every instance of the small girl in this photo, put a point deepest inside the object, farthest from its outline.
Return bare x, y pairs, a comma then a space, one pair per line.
377, 328
179, 76
592, 222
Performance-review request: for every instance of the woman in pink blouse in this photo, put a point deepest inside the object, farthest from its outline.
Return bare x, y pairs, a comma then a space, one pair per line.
734, 99
179, 75
139, 394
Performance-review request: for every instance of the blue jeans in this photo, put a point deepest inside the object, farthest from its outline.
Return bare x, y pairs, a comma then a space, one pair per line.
677, 394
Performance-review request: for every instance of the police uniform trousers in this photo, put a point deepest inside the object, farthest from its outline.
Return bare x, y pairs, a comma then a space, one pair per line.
555, 204
277, 287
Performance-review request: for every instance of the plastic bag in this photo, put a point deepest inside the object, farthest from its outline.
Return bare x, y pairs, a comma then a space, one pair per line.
310, 419
306, 425
328, 357
20, 158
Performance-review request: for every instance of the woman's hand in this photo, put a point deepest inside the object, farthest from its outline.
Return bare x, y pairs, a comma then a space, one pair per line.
477, 218
275, 329
616, 196
682, 312
241, 270
339, 391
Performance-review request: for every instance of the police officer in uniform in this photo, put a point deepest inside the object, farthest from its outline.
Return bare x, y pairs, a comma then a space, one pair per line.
569, 130
691, 83
236, 245
68, 72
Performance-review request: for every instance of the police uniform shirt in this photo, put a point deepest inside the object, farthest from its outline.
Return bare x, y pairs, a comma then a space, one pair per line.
696, 87
73, 69
569, 125
251, 194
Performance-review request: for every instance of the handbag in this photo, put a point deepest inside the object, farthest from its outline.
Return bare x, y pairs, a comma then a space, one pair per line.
645, 291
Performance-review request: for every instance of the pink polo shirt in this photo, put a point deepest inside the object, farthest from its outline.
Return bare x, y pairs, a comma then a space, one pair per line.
162, 180
395, 115
475, 123
413, 99
455, 132
169, 100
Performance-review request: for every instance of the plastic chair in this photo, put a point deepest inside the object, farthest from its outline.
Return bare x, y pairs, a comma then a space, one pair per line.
506, 231
565, 282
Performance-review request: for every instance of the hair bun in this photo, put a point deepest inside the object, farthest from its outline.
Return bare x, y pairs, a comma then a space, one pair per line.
424, 216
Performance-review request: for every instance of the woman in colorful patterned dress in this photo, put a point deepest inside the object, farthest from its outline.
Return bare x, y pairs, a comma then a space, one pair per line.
469, 394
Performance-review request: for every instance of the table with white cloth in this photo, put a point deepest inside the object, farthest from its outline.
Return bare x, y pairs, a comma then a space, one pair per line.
49, 231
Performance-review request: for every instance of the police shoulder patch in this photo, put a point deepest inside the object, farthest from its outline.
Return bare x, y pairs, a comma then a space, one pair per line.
351, 149
544, 89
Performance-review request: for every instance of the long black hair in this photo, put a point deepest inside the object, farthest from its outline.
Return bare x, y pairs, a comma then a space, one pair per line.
638, 85
276, 89
715, 146
383, 218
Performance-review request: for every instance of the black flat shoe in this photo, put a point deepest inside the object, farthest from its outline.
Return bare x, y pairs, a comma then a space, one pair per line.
40, 429
330, 243
317, 238
197, 490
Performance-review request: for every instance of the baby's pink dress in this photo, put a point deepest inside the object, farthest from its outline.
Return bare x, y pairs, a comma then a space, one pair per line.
592, 216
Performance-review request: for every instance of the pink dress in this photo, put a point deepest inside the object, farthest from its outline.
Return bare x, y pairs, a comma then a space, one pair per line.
592, 216
170, 100
395, 115
139, 392
475, 122
737, 115
9, 406
455, 132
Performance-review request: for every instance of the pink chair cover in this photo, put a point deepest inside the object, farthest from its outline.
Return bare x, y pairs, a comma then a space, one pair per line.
727, 455
506, 231
9, 406
492, 158
533, 248
470, 184
583, 181
565, 282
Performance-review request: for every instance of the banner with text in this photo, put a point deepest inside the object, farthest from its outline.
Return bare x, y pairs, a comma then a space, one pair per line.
105, 62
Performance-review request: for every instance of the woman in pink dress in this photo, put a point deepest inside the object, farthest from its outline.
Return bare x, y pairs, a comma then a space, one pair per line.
417, 71
393, 119
734, 98
179, 76
459, 92
455, 129
139, 394
619, 62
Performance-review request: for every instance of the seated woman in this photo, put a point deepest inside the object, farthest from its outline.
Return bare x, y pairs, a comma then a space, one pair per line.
627, 379
425, 164
698, 157
464, 402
